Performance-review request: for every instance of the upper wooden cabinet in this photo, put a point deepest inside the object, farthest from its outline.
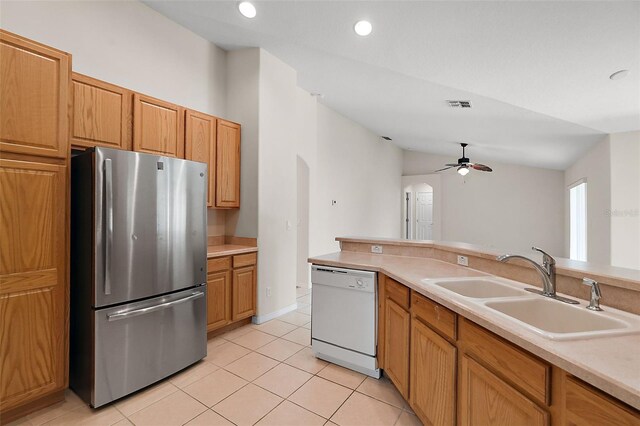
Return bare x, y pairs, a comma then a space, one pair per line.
101, 114
33, 283
200, 145
158, 127
34, 91
228, 164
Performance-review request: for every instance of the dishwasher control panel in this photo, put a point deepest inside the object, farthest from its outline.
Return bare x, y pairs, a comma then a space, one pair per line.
344, 278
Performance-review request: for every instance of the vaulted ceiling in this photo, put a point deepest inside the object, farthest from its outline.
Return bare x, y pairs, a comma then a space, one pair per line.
537, 73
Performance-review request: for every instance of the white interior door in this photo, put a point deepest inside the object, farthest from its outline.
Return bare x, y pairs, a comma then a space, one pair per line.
424, 215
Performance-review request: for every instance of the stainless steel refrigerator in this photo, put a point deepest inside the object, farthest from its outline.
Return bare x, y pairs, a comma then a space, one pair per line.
138, 270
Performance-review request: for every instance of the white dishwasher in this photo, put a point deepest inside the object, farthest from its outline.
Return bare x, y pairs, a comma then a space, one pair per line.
344, 317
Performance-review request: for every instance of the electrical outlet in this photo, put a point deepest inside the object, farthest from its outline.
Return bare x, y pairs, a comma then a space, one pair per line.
463, 260
376, 249
268, 291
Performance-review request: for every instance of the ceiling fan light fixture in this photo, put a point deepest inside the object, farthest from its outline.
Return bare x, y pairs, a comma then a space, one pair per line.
247, 9
463, 170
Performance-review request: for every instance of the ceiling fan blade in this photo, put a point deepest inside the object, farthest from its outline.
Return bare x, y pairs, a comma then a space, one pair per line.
443, 169
481, 167
453, 165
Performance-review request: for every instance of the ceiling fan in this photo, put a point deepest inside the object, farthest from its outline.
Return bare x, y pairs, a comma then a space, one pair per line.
464, 165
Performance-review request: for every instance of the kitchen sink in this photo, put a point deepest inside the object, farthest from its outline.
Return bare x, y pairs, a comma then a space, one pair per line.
479, 288
561, 321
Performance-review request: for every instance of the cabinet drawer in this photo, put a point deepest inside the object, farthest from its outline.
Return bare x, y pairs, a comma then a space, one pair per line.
248, 259
218, 264
397, 292
434, 314
521, 369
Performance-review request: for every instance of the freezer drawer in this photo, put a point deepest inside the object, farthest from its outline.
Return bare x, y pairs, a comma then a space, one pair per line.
140, 343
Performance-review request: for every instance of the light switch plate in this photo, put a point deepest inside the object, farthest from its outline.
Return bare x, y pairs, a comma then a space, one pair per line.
463, 260
376, 249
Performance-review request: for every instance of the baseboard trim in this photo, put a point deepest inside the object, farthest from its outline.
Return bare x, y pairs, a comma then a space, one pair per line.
259, 319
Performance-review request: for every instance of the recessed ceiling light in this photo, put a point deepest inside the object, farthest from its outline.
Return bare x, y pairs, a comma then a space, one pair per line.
247, 9
363, 28
619, 75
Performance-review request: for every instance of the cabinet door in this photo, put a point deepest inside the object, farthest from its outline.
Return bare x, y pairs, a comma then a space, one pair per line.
244, 293
587, 406
158, 127
200, 145
101, 114
433, 376
33, 281
485, 399
228, 164
34, 91
396, 357
218, 300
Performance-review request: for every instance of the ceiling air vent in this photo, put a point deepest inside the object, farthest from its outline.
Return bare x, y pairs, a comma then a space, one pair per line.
386, 138
459, 104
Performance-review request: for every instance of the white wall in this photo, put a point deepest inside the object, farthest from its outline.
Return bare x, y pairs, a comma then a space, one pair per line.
128, 44
595, 167
131, 45
510, 209
625, 199
307, 143
360, 171
277, 213
243, 79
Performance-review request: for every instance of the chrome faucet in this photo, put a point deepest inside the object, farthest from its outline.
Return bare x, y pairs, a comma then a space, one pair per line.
547, 272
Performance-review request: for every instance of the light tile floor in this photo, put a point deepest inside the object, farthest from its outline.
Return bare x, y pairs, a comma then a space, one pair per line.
258, 374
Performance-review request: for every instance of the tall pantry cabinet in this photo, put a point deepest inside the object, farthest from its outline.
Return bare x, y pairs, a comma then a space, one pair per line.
34, 221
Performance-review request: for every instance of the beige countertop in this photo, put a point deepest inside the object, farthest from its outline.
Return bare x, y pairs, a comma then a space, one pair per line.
228, 250
608, 363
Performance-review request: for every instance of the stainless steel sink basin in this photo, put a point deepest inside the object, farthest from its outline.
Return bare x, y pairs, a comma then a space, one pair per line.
560, 321
480, 288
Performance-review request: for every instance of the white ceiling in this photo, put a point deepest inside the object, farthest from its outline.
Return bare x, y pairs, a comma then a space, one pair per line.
536, 72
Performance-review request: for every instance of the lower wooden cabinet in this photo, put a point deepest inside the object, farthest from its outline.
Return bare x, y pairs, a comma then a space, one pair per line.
397, 335
218, 296
433, 372
485, 399
585, 405
244, 293
455, 372
33, 284
231, 289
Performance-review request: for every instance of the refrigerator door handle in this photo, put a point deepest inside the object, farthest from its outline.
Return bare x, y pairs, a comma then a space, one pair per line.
133, 313
108, 195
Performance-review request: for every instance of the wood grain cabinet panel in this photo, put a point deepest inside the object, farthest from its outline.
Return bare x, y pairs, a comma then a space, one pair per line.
34, 91
200, 145
587, 406
244, 293
101, 114
396, 357
218, 300
158, 127
33, 281
484, 399
433, 376
228, 164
